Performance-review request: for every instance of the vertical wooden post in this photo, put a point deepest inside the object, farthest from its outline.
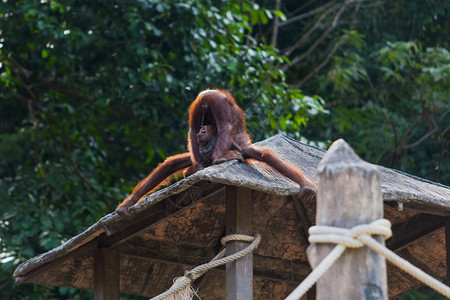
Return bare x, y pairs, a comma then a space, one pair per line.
447, 248
348, 194
239, 219
106, 274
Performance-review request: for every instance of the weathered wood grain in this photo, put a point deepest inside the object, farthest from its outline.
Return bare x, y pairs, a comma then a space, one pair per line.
106, 274
239, 216
348, 194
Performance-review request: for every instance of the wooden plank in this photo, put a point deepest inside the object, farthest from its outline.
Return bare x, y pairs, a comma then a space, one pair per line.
239, 219
106, 274
348, 194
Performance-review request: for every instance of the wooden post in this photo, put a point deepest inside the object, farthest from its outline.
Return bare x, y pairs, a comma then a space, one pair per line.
106, 274
348, 194
239, 219
447, 248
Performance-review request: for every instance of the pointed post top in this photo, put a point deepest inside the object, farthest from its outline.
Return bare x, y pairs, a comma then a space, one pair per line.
348, 194
341, 155
348, 188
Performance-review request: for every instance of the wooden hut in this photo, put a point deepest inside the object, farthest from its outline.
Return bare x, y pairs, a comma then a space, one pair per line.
180, 227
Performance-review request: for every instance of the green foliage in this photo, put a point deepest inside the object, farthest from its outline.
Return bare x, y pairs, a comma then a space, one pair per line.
95, 94
390, 97
393, 101
423, 293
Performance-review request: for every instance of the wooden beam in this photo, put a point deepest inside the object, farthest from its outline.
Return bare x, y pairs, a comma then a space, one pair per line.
305, 223
239, 219
428, 208
303, 217
348, 194
81, 250
417, 262
160, 212
290, 271
106, 274
407, 233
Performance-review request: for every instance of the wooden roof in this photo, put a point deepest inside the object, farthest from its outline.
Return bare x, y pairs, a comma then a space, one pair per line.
180, 226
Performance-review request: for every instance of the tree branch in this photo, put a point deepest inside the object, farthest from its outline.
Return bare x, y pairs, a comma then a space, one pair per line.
318, 41
69, 151
19, 70
305, 15
421, 140
303, 7
275, 24
311, 30
318, 68
33, 104
51, 85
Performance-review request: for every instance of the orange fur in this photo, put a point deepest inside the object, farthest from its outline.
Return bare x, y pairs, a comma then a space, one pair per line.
219, 109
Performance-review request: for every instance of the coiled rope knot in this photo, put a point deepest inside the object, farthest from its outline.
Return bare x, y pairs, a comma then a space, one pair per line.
349, 237
181, 289
239, 238
356, 237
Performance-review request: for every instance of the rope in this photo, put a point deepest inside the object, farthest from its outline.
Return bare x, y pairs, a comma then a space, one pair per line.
357, 237
181, 289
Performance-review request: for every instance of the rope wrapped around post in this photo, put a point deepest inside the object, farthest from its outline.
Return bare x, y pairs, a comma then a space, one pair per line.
181, 289
356, 237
